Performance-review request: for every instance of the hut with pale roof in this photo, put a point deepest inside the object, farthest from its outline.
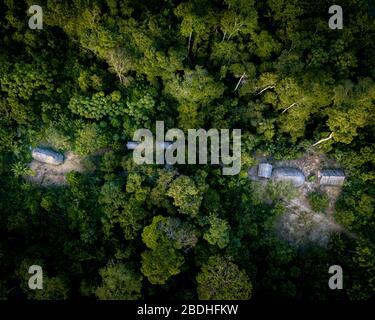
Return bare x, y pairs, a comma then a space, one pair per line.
264, 170
131, 145
331, 177
293, 175
47, 156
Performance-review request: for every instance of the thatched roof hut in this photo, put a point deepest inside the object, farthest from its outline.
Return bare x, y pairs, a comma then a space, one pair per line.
293, 175
47, 156
264, 170
331, 177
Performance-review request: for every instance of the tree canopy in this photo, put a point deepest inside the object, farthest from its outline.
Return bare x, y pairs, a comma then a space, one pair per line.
112, 229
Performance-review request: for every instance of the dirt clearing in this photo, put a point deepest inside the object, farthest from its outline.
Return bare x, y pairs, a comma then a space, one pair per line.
300, 225
48, 174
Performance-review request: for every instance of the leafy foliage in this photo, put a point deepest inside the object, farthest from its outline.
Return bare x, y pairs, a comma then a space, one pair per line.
98, 106
119, 282
221, 279
319, 201
101, 69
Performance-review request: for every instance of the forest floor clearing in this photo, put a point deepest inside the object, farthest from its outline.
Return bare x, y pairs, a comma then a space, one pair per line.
48, 174
300, 225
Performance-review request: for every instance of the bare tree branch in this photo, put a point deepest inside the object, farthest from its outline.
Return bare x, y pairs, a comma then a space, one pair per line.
292, 105
188, 48
322, 140
266, 88
239, 81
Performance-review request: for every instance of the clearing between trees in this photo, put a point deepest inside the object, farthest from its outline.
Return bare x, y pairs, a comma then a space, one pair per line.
300, 224
49, 174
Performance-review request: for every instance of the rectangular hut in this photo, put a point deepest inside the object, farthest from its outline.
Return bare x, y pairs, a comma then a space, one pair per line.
331, 177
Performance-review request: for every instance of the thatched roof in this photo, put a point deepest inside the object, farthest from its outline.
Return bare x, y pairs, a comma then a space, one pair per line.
293, 175
264, 170
47, 156
331, 177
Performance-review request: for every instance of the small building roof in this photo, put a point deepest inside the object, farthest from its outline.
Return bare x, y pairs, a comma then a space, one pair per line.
47, 156
131, 145
164, 144
331, 177
294, 175
264, 170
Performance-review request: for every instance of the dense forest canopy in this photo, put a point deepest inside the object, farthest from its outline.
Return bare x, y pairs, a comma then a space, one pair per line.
101, 69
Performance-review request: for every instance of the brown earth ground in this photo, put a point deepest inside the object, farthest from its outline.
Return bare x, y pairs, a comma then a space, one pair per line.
49, 175
300, 225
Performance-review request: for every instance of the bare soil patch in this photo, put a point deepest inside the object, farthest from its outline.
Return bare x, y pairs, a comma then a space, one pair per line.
300, 225
47, 174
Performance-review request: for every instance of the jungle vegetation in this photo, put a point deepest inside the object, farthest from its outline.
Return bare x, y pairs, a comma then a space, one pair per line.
101, 69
